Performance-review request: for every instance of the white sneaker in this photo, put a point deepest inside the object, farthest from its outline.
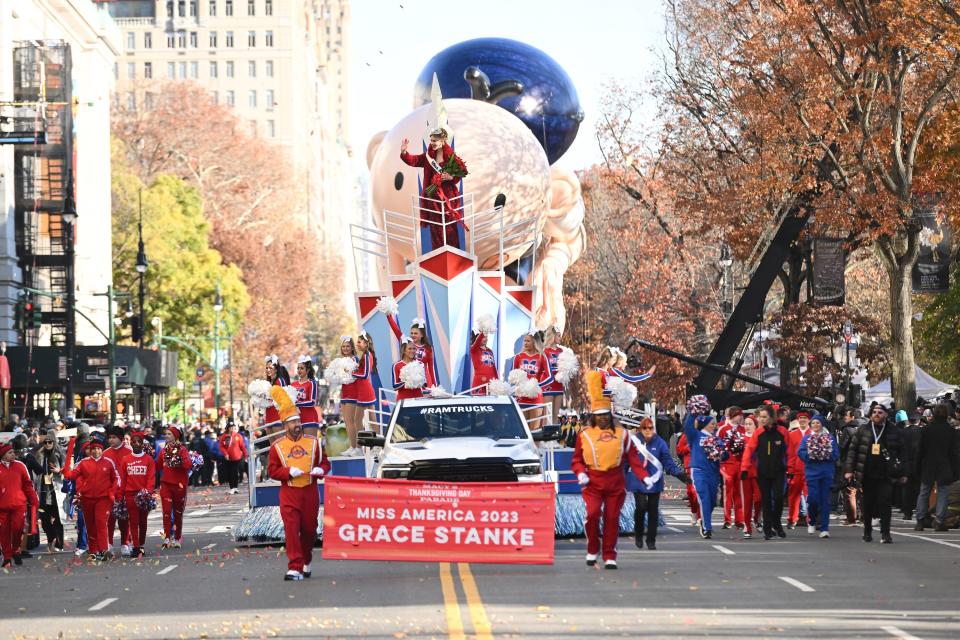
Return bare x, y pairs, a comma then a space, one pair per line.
824, 534
293, 575
694, 521
125, 551
592, 559
80, 553
175, 544
811, 529
307, 571
609, 564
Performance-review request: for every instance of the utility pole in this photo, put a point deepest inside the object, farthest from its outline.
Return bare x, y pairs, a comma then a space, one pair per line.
69, 217
217, 308
111, 356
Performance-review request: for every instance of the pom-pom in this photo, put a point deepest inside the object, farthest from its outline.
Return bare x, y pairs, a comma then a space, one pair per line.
819, 446
171, 457
567, 366
712, 448
485, 324
516, 376
436, 391
145, 500
528, 388
292, 392
736, 443
259, 392
698, 405
387, 305
499, 388
119, 510
340, 371
622, 394
196, 459
413, 375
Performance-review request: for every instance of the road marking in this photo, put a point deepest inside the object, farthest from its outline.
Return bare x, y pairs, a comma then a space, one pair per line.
913, 535
198, 512
722, 549
899, 633
219, 529
103, 603
166, 570
481, 624
450, 605
796, 583
210, 546
674, 529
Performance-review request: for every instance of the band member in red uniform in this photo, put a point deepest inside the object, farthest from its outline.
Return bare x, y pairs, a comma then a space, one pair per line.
796, 480
276, 374
307, 392
116, 451
16, 492
534, 364
442, 212
484, 363
98, 481
408, 352
174, 480
733, 508
601, 453
749, 490
297, 461
137, 473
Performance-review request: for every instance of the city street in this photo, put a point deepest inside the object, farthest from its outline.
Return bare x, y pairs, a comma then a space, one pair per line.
800, 587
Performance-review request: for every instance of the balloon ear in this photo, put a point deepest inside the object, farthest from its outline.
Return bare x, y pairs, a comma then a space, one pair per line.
373, 146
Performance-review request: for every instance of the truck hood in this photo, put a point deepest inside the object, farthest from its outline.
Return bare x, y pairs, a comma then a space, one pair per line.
459, 449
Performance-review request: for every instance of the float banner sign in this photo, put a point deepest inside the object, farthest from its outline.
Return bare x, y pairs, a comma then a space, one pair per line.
502, 522
931, 271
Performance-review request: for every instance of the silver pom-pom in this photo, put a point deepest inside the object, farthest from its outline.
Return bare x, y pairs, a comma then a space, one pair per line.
516, 376
340, 371
529, 388
567, 366
622, 394
413, 375
387, 305
485, 324
499, 388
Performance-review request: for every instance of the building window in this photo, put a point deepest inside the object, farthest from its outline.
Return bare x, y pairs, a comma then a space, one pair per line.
171, 70
268, 99
131, 101
148, 100
271, 129
229, 39
268, 68
268, 39
229, 68
213, 68
228, 10
182, 68
194, 69
229, 98
251, 7
193, 40
251, 38
171, 40
182, 39
193, 8
131, 71
131, 40
268, 7
169, 8
213, 39
252, 99
148, 70
182, 8
252, 69
212, 9
147, 40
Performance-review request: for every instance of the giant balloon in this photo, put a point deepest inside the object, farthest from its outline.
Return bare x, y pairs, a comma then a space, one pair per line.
548, 103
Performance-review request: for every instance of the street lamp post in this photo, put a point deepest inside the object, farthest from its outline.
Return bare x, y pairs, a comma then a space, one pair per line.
112, 295
217, 308
848, 337
69, 216
141, 267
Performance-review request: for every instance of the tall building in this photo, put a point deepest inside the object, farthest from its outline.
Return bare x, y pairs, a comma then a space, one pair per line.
281, 64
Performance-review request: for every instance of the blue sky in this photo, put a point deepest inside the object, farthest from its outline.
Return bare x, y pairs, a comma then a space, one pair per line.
595, 41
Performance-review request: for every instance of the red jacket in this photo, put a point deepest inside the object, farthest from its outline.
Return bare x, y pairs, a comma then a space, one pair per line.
683, 450
178, 475
137, 471
117, 454
95, 478
794, 463
279, 471
236, 450
732, 463
16, 488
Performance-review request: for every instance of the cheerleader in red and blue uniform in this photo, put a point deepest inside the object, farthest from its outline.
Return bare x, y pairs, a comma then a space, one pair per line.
418, 333
307, 392
408, 353
553, 392
484, 363
532, 361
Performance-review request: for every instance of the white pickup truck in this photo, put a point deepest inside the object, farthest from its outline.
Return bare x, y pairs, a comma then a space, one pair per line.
459, 439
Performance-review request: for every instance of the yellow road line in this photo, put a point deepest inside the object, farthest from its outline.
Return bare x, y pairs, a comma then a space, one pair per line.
481, 625
450, 605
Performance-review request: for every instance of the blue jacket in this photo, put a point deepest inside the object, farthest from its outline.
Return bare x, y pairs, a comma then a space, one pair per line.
695, 438
659, 448
813, 468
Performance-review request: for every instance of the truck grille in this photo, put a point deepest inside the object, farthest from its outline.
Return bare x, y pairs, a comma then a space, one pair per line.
463, 471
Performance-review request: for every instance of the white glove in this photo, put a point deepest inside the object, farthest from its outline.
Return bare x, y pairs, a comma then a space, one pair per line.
583, 479
649, 482
316, 472
295, 472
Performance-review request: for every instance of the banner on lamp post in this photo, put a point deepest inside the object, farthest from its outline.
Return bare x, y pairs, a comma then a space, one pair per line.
401, 520
931, 271
829, 264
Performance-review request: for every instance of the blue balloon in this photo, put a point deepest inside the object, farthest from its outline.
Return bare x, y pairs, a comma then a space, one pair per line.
522, 79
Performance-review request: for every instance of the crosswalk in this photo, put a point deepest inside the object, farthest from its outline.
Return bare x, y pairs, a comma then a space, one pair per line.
202, 519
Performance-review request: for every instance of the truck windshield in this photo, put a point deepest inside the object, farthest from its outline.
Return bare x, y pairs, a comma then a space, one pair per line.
480, 420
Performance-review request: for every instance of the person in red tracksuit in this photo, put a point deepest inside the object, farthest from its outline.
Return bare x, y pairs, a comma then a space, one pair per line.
602, 452
116, 451
16, 491
137, 473
98, 482
297, 461
730, 470
683, 450
174, 479
796, 480
234, 451
484, 363
749, 490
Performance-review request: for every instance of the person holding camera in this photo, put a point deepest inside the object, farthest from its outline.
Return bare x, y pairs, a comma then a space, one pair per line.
874, 463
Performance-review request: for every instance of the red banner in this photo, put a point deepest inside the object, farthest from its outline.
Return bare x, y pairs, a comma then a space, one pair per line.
504, 522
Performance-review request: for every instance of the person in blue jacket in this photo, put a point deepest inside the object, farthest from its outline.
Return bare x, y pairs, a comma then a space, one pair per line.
819, 469
698, 427
647, 496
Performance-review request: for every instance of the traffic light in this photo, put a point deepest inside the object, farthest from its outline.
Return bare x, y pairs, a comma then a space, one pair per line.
18, 314
36, 316
28, 308
136, 331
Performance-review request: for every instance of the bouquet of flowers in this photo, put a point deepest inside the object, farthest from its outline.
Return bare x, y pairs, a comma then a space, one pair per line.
145, 500
455, 166
736, 443
120, 509
713, 448
171, 457
819, 446
196, 459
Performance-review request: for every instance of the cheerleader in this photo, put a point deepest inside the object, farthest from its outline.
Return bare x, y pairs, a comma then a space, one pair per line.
137, 473
307, 392
733, 506
277, 375
749, 491
553, 392
418, 333
819, 452
618, 361
408, 354
175, 477
532, 362
484, 363
358, 395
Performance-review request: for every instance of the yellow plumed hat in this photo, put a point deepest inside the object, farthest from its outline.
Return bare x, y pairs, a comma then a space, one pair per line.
284, 398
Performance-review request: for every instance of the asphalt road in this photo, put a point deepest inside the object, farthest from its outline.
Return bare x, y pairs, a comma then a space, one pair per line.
801, 587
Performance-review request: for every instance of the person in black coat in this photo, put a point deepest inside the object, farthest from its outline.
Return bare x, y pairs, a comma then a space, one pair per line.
937, 462
873, 461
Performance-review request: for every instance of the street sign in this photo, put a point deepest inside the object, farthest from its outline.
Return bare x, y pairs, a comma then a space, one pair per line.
201, 372
104, 372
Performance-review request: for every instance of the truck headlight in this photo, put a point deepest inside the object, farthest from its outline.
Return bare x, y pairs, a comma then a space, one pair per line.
528, 469
395, 473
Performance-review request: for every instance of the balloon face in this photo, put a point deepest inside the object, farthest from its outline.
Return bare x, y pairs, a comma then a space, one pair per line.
548, 104
507, 167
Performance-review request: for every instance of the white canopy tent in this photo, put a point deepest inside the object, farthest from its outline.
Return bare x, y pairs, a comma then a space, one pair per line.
927, 387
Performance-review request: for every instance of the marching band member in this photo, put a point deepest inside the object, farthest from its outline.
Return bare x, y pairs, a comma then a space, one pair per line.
408, 352
297, 461
116, 451
733, 506
97, 482
307, 392
137, 473
16, 491
174, 480
749, 491
796, 483
602, 451
531, 361
596, 380
484, 363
